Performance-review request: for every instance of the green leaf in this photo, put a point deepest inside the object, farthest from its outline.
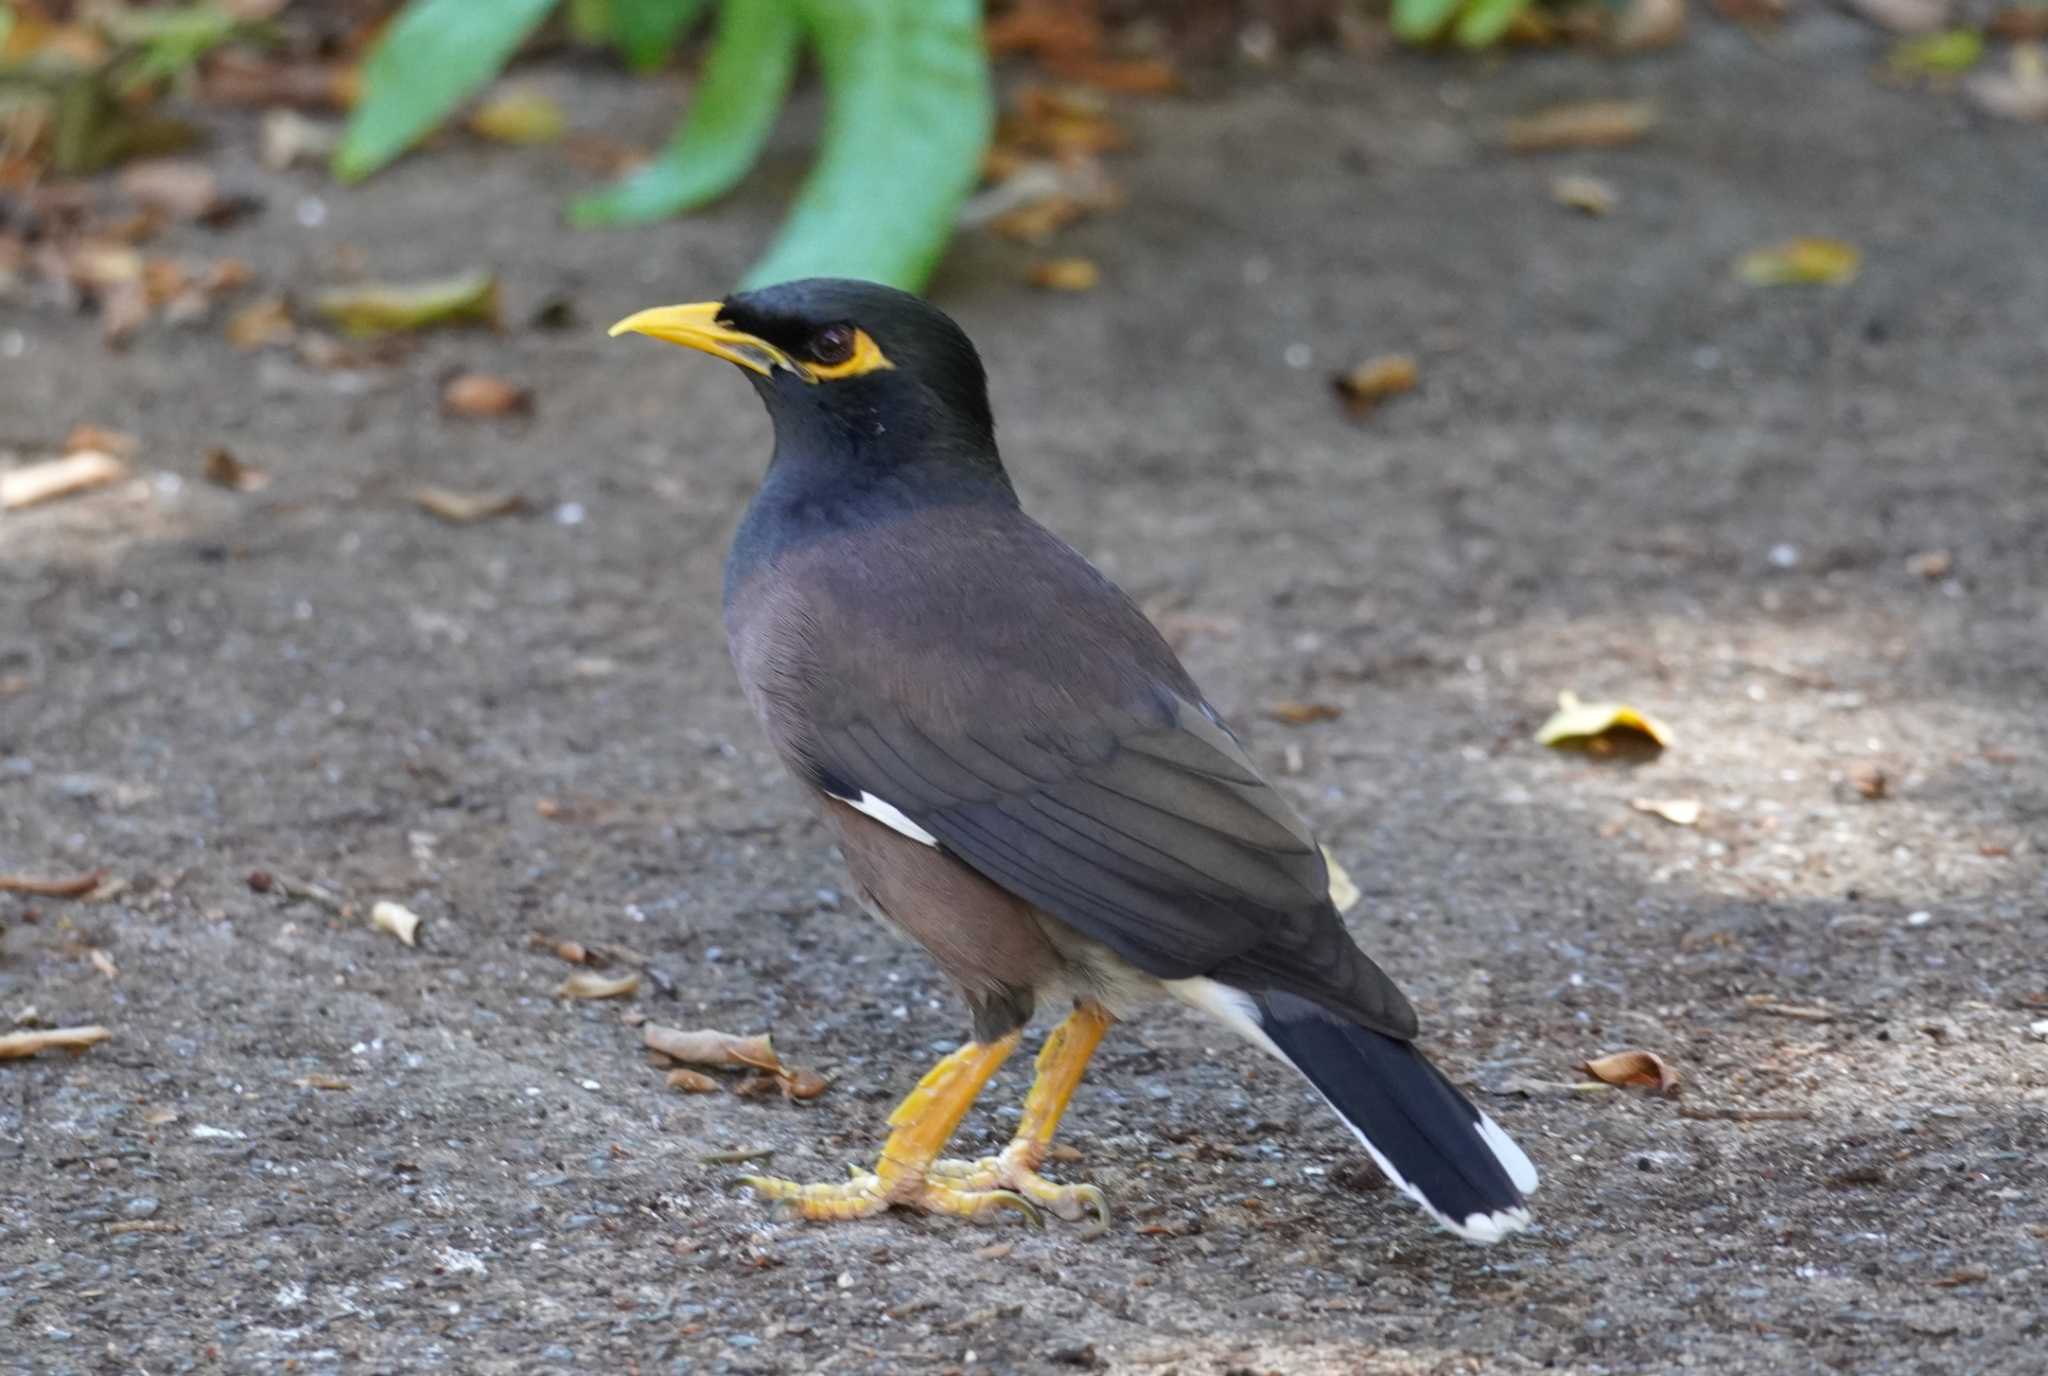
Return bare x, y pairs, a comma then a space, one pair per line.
1420, 21
434, 55
731, 115
1484, 21
647, 30
908, 114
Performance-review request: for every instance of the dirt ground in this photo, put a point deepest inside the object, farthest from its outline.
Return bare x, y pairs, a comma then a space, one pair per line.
1624, 474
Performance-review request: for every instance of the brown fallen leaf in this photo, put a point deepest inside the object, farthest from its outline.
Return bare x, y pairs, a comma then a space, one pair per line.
223, 469
1596, 725
1680, 812
466, 508
1373, 381
50, 479
588, 984
485, 394
15, 1046
1037, 221
1060, 121
52, 888
85, 435
519, 115
374, 308
1581, 124
798, 1083
261, 324
1968, 1275
1633, 1069
1801, 262
103, 963
574, 952
330, 1082
691, 1081
1065, 274
1870, 781
1290, 713
707, 1047
401, 922
1588, 195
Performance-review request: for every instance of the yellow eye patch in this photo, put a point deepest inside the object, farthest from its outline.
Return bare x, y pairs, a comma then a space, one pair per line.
867, 357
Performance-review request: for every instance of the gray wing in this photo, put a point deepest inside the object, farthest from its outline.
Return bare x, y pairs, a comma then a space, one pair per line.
1052, 742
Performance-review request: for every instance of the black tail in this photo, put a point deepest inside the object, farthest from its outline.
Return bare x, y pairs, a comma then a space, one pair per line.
1429, 1139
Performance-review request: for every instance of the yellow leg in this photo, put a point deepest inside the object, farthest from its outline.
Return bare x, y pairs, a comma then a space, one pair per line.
919, 1129
1061, 1064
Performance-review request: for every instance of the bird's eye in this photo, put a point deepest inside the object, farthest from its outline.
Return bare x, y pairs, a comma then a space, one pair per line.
833, 344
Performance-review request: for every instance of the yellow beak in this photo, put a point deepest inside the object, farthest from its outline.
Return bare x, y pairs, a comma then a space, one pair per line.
696, 326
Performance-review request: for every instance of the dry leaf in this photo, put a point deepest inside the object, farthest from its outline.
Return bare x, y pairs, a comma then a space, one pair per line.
1582, 124
798, 1083
519, 115
588, 984
1583, 193
1289, 713
52, 888
53, 478
2018, 93
181, 189
223, 469
1059, 122
374, 308
289, 138
16, 1046
103, 963
401, 922
1585, 724
1680, 812
706, 1047
1634, 1069
691, 1081
484, 394
1065, 274
322, 1082
1647, 24
467, 508
261, 324
1039, 220
1800, 262
87, 436
1376, 379
1343, 892
1869, 781
573, 952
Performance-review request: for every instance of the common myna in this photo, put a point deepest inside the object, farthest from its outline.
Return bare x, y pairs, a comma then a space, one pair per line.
1023, 777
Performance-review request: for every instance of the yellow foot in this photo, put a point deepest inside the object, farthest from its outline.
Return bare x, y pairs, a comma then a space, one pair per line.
866, 1195
1016, 1169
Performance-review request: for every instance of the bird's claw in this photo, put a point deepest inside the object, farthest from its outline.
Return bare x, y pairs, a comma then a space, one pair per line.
865, 1195
1012, 1171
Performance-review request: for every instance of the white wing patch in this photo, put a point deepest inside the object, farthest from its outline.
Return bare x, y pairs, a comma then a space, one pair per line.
890, 816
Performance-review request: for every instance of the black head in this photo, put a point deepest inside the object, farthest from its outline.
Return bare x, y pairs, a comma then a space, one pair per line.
845, 363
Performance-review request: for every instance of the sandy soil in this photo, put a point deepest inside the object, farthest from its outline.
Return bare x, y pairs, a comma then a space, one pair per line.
1623, 474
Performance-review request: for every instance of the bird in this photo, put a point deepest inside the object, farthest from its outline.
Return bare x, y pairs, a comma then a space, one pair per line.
1023, 778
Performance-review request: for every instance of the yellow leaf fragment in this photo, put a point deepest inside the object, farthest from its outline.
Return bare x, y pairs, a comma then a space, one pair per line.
401, 922
1801, 262
466, 508
707, 1047
1936, 54
53, 478
588, 984
374, 308
1343, 892
1635, 1070
1376, 379
1680, 812
519, 115
1065, 274
15, 1046
1581, 124
1588, 195
1577, 723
